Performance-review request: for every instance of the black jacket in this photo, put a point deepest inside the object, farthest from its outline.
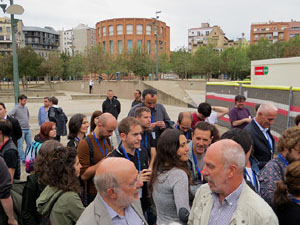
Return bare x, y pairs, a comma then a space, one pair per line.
56, 115
16, 130
112, 106
261, 148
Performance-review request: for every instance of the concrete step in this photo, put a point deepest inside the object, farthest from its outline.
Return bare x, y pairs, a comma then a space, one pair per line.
87, 96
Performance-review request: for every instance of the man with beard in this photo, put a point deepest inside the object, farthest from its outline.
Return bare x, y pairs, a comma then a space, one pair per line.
226, 199
118, 194
289, 151
202, 136
130, 148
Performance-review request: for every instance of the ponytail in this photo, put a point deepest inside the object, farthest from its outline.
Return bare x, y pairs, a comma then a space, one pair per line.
281, 194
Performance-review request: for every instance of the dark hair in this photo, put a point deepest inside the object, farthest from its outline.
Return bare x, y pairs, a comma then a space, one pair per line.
166, 157
45, 130
239, 98
21, 97
183, 115
74, 125
291, 185
149, 91
242, 137
5, 127
140, 93
126, 123
204, 108
47, 98
94, 115
44, 159
214, 132
297, 119
1, 103
289, 139
139, 111
54, 100
61, 173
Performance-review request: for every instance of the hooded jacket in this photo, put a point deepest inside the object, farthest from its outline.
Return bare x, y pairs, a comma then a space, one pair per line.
112, 106
57, 115
65, 210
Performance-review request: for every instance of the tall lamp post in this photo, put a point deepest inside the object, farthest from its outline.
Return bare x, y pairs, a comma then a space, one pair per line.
12, 10
156, 43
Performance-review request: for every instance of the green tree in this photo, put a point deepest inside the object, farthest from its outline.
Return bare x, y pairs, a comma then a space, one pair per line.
52, 67
75, 67
65, 63
292, 48
164, 64
260, 50
139, 63
6, 67
181, 62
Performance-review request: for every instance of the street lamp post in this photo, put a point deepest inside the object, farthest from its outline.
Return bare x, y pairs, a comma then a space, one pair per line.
156, 44
14, 9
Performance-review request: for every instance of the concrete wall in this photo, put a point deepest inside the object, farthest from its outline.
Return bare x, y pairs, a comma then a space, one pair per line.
283, 71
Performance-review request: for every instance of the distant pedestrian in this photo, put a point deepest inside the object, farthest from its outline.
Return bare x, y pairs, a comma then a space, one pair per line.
91, 84
43, 111
137, 98
21, 113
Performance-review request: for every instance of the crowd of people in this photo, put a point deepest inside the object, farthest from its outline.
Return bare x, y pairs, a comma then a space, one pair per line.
156, 171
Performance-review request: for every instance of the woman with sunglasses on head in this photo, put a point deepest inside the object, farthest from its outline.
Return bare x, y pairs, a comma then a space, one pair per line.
78, 127
60, 199
169, 182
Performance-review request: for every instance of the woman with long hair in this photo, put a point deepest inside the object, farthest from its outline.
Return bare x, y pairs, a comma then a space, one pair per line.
169, 182
287, 196
94, 120
62, 190
78, 127
33, 187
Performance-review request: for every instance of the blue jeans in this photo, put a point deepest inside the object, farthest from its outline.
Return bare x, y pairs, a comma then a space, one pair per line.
26, 134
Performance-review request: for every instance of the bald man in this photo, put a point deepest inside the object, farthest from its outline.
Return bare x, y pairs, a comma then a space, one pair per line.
117, 201
93, 149
259, 129
226, 199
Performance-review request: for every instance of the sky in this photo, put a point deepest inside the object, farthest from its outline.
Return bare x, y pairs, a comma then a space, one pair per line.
233, 16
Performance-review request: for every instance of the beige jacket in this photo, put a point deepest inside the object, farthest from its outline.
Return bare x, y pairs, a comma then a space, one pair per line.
251, 209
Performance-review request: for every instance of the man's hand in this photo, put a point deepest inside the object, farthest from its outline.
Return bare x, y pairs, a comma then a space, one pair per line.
161, 124
145, 175
12, 221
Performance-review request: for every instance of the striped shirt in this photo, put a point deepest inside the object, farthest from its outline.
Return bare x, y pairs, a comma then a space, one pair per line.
221, 214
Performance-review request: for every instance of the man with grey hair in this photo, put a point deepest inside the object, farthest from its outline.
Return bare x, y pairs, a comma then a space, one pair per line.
259, 129
117, 201
226, 199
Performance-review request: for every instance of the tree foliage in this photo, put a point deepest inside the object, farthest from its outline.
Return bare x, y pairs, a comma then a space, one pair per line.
181, 62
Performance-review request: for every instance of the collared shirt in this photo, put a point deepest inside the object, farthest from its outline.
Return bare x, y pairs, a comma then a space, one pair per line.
43, 115
221, 214
159, 112
130, 218
266, 134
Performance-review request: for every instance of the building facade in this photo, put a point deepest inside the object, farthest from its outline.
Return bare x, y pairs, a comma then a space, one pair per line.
66, 40
274, 31
41, 40
121, 35
6, 35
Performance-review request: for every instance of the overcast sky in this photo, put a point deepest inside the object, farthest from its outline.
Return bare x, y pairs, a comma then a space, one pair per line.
233, 16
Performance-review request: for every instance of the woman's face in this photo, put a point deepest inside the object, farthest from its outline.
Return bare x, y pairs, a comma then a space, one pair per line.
96, 120
84, 126
77, 166
52, 132
183, 149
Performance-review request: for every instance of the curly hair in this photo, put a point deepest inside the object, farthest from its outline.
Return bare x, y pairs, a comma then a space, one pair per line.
166, 157
45, 130
289, 139
291, 185
60, 171
94, 115
43, 159
75, 124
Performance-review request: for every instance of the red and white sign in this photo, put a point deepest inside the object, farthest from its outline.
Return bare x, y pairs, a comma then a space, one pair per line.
259, 70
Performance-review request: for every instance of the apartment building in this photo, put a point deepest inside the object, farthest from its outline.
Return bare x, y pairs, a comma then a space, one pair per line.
122, 35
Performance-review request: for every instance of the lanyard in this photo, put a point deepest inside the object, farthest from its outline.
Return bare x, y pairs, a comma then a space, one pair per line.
254, 179
144, 143
282, 159
296, 200
100, 146
152, 116
137, 154
270, 142
186, 134
78, 139
196, 164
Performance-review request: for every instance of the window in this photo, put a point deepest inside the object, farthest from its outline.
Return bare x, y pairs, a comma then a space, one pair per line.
1, 38
99, 32
129, 29
120, 29
281, 35
139, 29
103, 31
129, 46
156, 50
8, 37
140, 46
269, 36
295, 28
256, 37
161, 30
104, 46
148, 29
111, 47
148, 46
120, 46
262, 36
7, 29
294, 35
198, 33
111, 30
206, 32
0, 29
